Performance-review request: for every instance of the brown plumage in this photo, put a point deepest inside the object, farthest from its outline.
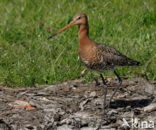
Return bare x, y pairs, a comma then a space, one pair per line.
103, 57
97, 56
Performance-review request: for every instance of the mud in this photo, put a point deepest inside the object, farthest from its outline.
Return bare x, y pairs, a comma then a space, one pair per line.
74, 105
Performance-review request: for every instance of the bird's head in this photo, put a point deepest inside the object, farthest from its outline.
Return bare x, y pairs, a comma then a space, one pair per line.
79, 19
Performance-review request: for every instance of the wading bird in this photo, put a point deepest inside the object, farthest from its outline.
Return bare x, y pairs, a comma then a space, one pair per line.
97, 56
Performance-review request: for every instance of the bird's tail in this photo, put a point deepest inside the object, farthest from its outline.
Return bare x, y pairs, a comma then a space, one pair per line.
133, 62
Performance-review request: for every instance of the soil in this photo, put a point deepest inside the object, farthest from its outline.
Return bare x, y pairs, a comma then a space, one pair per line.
74, 105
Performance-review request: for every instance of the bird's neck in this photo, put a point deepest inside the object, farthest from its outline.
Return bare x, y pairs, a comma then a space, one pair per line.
83, 34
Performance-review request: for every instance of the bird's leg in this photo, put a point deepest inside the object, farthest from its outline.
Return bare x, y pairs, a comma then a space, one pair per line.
105, 92
120, 82
96, 81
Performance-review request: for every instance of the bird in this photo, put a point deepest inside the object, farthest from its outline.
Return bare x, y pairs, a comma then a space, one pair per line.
97, 56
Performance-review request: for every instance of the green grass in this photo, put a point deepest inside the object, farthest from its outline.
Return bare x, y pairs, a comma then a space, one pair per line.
27, 58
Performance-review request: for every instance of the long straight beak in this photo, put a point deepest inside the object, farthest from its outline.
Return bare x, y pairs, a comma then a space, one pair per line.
64, 28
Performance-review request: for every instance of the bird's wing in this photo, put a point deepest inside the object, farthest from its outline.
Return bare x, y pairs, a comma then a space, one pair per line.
113, 57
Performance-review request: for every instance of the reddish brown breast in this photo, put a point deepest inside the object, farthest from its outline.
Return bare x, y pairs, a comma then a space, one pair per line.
87, 52
87, 47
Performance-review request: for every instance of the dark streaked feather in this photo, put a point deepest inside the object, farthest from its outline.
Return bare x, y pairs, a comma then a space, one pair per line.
112, 57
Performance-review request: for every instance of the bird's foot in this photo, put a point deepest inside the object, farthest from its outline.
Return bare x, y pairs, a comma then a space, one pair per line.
106, 107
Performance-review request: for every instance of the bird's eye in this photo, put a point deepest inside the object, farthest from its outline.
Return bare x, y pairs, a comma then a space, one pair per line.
79, 17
